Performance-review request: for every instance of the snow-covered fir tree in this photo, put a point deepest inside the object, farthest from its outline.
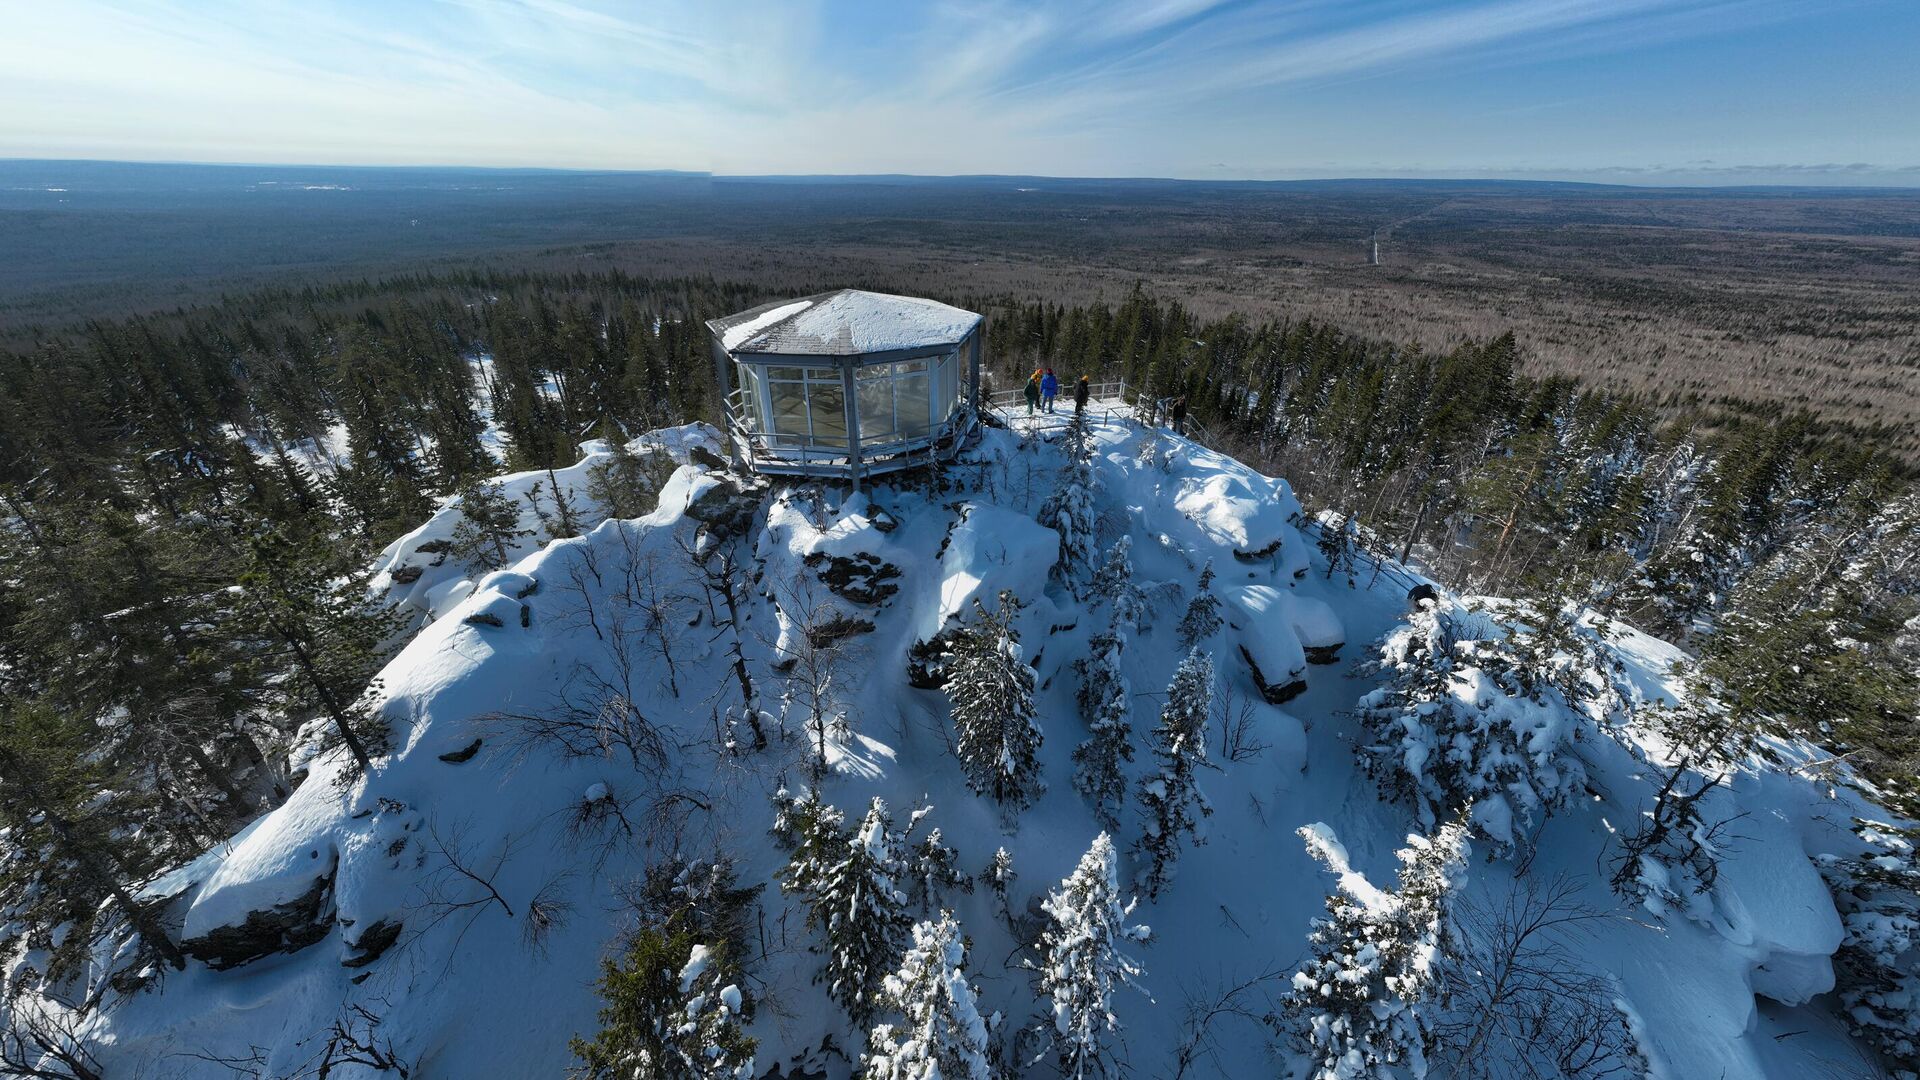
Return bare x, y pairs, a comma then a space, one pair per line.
1202, 618
849, 884
1171, 802
1466, 719
1099, 762
1112, 584
940, 1034
1071, 510
1877, 968
1358, 1006
1082, 962
1000, 877
674, 1009
991, 687
933, 868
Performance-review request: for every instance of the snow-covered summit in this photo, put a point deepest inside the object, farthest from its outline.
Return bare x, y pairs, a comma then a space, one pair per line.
642, 691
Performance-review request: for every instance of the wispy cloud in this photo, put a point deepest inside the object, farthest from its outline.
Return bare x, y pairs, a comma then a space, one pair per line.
1079, 86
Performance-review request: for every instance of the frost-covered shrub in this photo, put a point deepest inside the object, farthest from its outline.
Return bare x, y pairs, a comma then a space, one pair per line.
1359, 1004
1877, 968
941, 1033
1081, 963
1473, 716
1670, 859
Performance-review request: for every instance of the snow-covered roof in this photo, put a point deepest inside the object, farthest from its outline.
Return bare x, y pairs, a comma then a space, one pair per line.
847, 322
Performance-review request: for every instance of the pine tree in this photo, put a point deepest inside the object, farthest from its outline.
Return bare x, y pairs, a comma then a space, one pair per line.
1113, 584
1104, 697
335, 639
1171, 800
1070, 510
847, 881
991, 688
933, 868
941, 1034
625, 484
1359, 1004
489, 527
1507, 751
1202, 618
673, 1009
1081, 963
1000, 877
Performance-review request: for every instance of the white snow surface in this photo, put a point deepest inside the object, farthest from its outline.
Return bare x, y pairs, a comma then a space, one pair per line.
464, 995
850, 321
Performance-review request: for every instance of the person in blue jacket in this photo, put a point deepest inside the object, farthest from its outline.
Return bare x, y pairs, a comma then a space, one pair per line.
1049, 389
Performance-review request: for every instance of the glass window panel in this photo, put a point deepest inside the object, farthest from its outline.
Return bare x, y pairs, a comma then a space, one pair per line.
827, 406
788, 373
787, 408
910, 404
874, 399
905, 366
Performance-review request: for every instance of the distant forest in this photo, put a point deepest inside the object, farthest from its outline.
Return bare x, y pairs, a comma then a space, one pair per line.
179, 585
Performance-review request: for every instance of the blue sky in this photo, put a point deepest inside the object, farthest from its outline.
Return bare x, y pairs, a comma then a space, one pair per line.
1647, 91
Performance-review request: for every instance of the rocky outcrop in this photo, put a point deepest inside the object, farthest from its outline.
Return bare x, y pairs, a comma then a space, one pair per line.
372, 943
283, 928
862, 577
1273, 692
725, 507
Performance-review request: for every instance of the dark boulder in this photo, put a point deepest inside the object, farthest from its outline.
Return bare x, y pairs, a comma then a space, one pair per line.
374, 941
1422, 593
283, 928
862, 577
1274, 693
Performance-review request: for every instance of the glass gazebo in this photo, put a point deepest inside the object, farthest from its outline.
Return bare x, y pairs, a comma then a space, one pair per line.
847, 384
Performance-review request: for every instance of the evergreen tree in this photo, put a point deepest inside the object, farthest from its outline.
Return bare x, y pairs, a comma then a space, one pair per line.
1359, 1005
941, 1034
624, 485
334, 638
848, 882
1000, 877
1170, 799
673, 1009
1202, 618
991, 688
1081, 963
489, 527
1471, 716
1113, 584
1070, 510
1099, 762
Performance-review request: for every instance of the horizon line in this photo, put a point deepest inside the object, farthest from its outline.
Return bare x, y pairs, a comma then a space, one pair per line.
1865, 171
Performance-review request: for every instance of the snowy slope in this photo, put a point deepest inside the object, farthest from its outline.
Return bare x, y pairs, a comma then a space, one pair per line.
465, 993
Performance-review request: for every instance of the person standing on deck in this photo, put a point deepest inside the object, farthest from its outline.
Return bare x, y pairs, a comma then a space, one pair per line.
1180, 415
1049, 389
1033, 392
1081, 391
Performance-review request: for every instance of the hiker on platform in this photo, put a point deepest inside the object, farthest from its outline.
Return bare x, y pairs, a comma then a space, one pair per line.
1049, 389
1180, 415
1033, 391
1082, 390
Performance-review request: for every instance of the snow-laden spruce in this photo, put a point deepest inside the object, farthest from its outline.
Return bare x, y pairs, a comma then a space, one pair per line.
940, 1034
1082, 962
1470, 717
848, 883
1071, 509
1171, 802
997, 736
1360, 1003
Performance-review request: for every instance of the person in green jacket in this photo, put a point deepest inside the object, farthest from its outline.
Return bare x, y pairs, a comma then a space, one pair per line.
1033, 393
